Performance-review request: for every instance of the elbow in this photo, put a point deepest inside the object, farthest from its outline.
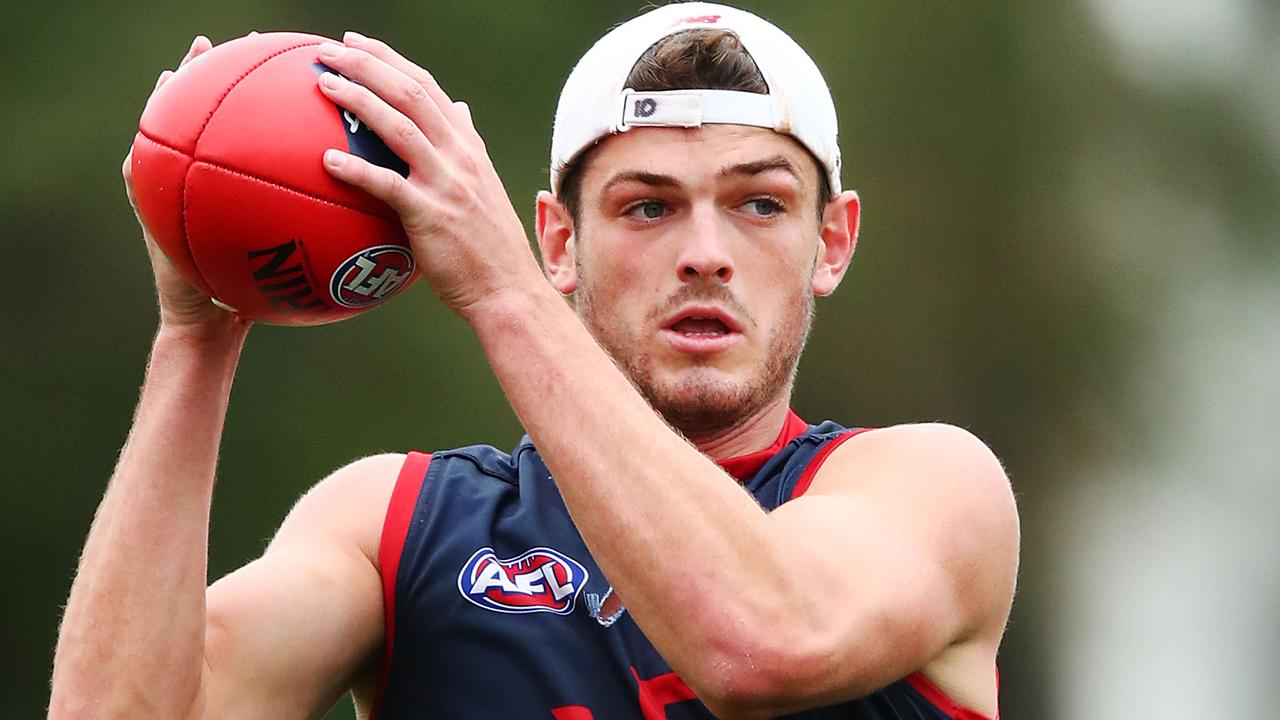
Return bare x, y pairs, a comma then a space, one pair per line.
777, 671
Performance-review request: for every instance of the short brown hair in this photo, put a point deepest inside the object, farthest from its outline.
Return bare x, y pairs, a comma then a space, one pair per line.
698, 59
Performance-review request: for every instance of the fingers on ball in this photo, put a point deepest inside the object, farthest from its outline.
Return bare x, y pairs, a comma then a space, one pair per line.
413, 71
401, 134
382, 183
393, 88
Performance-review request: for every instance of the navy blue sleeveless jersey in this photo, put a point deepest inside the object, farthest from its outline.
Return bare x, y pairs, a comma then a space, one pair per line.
495, 608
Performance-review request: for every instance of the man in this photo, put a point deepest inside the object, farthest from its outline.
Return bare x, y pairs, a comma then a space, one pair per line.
670, 541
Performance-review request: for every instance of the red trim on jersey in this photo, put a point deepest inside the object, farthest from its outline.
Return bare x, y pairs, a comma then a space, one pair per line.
806, 479
744, 466
658, 692
943, 702
404, 498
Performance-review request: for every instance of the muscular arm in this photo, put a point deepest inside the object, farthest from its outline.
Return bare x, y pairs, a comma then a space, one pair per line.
132, 637
280, 638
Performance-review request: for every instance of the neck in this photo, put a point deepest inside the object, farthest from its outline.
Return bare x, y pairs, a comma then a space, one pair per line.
750, 433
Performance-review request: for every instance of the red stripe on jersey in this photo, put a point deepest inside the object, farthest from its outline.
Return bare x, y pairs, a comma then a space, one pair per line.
943, 702
404, 498
658, 692
806, 478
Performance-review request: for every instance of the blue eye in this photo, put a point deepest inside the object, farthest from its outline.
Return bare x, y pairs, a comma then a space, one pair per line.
764, 207
649, 209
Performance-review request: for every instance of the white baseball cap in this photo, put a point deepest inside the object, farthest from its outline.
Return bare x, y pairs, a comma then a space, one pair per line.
595, 102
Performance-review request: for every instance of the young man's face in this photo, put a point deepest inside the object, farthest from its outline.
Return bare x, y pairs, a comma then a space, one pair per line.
695, 254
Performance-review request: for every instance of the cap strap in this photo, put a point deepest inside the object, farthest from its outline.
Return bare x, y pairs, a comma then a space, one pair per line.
691, 108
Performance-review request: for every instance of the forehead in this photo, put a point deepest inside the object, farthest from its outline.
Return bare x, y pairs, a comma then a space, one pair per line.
696, 155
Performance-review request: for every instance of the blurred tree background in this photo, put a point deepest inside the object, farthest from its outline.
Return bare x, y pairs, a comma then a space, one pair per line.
1069, 247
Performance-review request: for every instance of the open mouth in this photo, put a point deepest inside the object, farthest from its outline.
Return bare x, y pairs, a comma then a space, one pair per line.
703, 331
701, 327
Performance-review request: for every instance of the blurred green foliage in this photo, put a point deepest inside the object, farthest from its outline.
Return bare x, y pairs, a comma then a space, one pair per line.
977, 295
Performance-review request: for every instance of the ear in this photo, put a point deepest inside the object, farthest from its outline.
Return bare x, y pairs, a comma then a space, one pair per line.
556, 243
838, 237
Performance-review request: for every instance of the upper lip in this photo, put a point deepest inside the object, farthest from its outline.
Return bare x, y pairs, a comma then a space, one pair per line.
704, 312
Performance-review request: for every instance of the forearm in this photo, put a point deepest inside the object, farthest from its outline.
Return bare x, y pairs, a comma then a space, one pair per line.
661, 519
132, 638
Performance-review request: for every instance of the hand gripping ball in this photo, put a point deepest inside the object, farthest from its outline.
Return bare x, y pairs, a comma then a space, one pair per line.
229, 178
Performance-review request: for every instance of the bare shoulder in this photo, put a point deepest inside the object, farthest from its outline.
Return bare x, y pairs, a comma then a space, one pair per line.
347, 505
927, 458
947, 492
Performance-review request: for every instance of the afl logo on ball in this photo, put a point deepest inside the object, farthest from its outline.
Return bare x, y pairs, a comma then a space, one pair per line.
540, 580
371, 276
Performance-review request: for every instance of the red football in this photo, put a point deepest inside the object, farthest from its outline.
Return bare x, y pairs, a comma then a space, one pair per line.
228, 175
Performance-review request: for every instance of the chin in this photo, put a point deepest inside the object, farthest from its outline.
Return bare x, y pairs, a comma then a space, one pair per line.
702, 400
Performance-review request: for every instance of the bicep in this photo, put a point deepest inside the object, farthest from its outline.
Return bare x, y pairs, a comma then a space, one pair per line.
288, 633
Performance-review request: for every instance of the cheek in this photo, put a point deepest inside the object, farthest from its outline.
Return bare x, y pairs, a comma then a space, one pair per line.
776, 281
625, 276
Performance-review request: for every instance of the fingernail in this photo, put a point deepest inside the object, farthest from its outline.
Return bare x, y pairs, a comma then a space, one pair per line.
332, 81
330, 50
334, 158
353, 36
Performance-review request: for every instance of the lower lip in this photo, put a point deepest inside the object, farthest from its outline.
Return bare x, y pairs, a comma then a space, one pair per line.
701, 344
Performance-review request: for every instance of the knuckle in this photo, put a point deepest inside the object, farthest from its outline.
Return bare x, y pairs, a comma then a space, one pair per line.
447, 215
397, 187
406, 130
470, 165
414, 93
424, 220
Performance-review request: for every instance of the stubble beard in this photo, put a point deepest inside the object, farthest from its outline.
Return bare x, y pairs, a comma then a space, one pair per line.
703, 404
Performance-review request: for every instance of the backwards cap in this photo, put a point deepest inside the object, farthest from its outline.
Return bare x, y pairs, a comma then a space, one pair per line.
595, 103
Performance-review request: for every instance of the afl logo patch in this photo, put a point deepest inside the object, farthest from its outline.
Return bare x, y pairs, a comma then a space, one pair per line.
371, 276
540, 580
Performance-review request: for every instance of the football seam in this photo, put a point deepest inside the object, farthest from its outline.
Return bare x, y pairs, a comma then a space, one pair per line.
295, 191
237, 81
182, 192
267, 181
186, 236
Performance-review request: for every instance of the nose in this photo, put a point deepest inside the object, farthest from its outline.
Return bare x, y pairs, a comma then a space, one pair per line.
704, 252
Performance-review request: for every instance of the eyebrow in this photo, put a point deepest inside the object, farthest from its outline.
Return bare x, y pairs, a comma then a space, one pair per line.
755, 167
746, 169
640, 176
